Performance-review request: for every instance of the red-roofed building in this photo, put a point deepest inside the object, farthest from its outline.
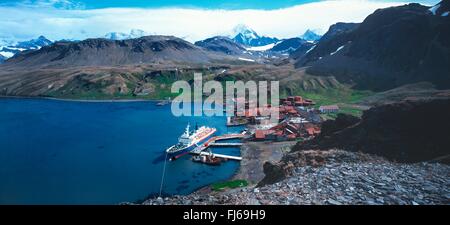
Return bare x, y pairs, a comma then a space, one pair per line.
311, 129
261, 134
296, 101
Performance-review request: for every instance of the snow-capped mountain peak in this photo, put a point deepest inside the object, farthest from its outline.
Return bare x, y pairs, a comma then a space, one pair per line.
134, 33
310, 35
245, 31
245, 35
34, 43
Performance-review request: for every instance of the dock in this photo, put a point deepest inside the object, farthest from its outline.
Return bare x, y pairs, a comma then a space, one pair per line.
200, 150
238, 158
215, 144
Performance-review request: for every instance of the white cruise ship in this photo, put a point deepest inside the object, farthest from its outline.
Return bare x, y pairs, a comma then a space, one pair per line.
189, 140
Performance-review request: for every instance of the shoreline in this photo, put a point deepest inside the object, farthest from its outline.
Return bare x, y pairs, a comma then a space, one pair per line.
79, 100
86, 100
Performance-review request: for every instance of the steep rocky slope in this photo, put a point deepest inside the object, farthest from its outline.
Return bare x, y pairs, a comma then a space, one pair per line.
407, 131
391, 47
291, 45
325, 46
334, 177
222, 44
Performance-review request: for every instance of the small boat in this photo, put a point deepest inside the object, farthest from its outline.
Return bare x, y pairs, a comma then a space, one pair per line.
207, 159
163, 102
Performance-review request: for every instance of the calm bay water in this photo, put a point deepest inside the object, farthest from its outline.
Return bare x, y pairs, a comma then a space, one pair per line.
63, 152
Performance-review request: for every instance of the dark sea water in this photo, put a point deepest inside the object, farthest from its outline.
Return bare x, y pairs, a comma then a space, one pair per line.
63, 152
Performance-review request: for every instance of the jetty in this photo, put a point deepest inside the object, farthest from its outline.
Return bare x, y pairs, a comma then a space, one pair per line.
238, 158
200, 150
215, 144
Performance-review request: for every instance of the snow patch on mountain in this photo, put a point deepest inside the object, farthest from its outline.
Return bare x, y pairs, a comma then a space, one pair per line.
6, 54
262, 48
435, 8
244, 35
337, 50
310, 49
134, 33
245, 59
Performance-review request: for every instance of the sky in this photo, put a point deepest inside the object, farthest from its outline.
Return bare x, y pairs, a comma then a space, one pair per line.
188, 19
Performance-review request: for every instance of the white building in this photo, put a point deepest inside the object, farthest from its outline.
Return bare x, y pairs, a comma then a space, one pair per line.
329, 108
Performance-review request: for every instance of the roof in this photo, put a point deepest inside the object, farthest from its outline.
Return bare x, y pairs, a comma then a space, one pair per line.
260, 134
312, 130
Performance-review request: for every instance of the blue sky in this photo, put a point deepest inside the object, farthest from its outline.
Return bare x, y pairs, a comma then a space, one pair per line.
205, 4
192, 20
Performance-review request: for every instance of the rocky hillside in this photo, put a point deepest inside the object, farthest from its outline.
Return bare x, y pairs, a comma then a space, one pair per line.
222, 44
408, 131
104, 52
334, 177
325, 46
103, 68
291, 44
338, 29
416, 91
391, 47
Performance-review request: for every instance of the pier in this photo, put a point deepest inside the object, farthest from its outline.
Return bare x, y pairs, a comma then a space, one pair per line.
200, 150
238, 158
215, 144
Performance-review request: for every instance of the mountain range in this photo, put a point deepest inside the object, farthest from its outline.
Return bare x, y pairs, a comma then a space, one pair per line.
105, 52
12, 48
246, 41
390, 48
243, 39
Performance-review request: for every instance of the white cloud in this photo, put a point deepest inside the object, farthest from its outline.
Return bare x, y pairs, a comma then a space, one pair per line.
193, 24
60, 4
